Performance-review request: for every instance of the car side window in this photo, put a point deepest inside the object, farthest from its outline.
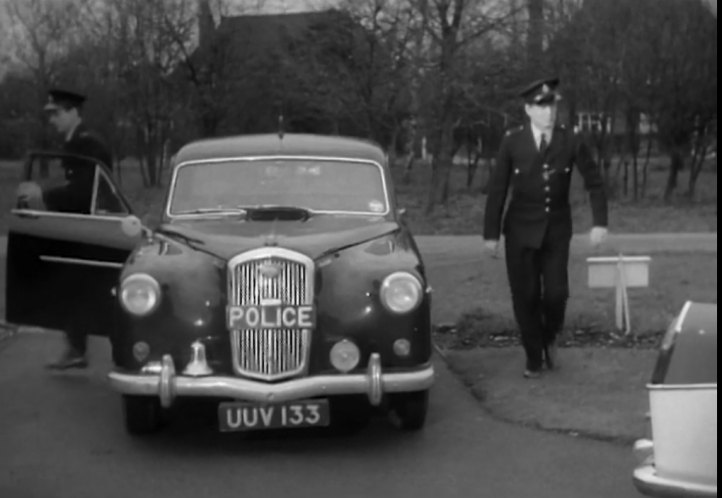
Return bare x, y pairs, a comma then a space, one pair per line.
106, 200
47, 172
63, 184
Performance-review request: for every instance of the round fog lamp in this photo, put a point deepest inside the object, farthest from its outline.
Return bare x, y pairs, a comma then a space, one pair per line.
344, 355
402, 347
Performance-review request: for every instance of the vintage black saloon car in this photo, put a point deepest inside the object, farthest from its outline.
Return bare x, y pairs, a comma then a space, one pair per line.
281, 282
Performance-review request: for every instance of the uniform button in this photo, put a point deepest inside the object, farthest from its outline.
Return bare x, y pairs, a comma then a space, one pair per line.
547, 188
547, 209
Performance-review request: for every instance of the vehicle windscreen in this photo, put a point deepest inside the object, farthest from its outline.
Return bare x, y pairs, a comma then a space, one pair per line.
312, 184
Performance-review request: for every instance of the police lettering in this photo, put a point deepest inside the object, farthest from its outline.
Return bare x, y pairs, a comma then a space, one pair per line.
270, 317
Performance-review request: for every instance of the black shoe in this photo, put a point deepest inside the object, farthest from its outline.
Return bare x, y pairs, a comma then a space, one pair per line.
69, 360
532, 374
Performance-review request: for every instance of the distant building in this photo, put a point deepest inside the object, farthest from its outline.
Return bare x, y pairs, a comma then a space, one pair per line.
250, 71
595, 122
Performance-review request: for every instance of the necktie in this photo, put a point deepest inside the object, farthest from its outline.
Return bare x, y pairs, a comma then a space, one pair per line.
543, 144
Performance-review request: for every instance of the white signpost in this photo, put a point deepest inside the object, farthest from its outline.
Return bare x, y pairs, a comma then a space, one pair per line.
619, 272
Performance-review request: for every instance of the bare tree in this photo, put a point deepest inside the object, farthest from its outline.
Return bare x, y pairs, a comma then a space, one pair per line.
43, 33
648, 57
390, 85
144, 42
452, 26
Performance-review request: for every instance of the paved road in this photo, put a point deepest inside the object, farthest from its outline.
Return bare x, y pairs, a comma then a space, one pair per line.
61, 436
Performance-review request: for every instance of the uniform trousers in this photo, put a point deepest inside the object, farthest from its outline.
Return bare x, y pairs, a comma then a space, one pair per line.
539, 283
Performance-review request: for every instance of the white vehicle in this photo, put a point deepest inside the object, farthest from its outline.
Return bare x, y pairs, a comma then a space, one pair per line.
681, 458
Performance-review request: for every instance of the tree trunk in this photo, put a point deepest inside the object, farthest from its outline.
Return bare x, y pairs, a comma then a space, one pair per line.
447, 162
633, 137
535, 38
645, 168
440, 170
487, 167
393, 146
694, 170
635, 178
435, 181
152, 163
472, 167
677, 162
410, 151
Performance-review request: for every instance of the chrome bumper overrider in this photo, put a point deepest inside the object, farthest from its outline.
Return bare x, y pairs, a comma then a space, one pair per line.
649, 483
168, 385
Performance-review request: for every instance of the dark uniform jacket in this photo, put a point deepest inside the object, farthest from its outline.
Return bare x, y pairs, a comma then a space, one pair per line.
86, 143
76, 195
539, 187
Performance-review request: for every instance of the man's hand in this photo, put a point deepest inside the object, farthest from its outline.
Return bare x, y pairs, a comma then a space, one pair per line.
492, 247
29, 195
598, 235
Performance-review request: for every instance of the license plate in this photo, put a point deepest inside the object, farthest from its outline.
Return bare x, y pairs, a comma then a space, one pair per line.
277, 316
235, 416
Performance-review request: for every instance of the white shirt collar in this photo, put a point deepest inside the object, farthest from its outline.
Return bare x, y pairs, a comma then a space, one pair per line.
538, 134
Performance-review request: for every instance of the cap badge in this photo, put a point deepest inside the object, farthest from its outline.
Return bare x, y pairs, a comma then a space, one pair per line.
269, 270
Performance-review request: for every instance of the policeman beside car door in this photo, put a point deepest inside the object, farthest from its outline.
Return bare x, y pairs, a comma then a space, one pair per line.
64, 113
535, 162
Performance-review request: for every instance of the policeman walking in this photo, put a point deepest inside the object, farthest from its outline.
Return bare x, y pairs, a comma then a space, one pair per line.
535, 162
64, 113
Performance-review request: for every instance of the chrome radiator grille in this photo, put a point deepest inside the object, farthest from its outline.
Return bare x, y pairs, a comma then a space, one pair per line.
270, 354
248, 287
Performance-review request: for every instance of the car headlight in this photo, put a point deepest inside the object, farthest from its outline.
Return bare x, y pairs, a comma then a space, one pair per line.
401, 292
139, 294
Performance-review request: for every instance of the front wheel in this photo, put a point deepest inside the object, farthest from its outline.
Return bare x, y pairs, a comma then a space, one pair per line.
349, 414
410, 409
143, 414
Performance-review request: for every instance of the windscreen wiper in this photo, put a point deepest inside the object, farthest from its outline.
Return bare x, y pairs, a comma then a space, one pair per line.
171, 232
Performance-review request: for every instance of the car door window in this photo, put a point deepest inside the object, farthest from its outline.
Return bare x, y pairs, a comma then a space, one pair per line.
106, 200
69, 184
66, 184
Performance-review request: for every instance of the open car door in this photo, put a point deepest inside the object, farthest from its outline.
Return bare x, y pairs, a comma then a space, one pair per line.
69, 234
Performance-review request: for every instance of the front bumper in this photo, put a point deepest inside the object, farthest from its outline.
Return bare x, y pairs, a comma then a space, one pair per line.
649, 483
374, 383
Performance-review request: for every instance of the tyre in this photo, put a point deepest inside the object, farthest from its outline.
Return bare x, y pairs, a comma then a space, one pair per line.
349, 414
410, 409
143, 414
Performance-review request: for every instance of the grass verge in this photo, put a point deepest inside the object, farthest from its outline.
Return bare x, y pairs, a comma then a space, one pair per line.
600, 390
